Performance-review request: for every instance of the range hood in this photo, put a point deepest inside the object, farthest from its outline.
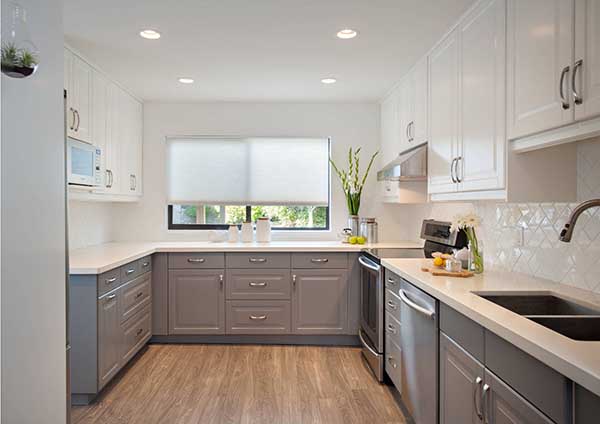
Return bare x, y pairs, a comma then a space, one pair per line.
410, 165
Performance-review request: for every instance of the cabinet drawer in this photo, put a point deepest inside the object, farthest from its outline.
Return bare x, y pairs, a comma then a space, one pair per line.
136, 332
145, 264
392, 304
130, 271
393, 364
196, 260
134, 296
320, 260
109, 280
467, 333
392, 281
258, 260
392, 328
258, 284
545, 388
258, 317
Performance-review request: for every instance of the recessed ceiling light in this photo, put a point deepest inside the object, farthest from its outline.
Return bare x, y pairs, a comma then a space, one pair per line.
150, 34
328, 80
186, 80
347, 34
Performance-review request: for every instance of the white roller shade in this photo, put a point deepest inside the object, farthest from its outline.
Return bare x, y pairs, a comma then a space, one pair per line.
248, 171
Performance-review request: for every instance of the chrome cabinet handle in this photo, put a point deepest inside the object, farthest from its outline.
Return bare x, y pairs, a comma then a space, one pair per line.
319, 260
258, 317
452, 170
131, 182
411, 133
392, 304
476, 397
78, 120
111, 296
458, 159
484, 395
408, 132
108, 183
257, 284
134, 182
391, 282
257, 260
294, 280
391, 329
139, 332
72, 126
140, 294
392, 361
110, 280
145, 264
221, 281
561, 85
129, 271
413, 305
576, 96
196, 260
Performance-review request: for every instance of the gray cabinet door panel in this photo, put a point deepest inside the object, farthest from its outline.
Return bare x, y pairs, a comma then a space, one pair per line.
468, 334
461, 382
135, 295
258, 317
160, 294
130, 271
393, 328
505, 406
135, 333
109, 280
320, 301
392, 281
320, 260
587, 406
258, 260
196, 260
393, 304
258, 284
196, 302
109, 337
145, 264
393, 363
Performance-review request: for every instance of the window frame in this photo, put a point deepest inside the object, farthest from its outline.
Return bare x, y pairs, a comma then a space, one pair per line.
172, 226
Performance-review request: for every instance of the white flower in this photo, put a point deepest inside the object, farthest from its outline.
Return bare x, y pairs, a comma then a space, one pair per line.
470, 220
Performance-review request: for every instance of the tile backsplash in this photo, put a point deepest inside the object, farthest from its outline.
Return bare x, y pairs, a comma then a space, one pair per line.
525, 237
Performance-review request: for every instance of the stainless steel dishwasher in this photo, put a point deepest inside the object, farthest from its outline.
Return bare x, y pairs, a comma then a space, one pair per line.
419, 339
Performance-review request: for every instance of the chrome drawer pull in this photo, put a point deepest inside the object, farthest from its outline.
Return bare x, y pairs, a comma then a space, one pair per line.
391, 329
140, 294
257, 260
392, 361
111, 280
258, 318
196, 260
145, 264
486, 389
476, 397
139, 332
391, 281
256, 284
392, 305
130, 271
111, 297
319, 260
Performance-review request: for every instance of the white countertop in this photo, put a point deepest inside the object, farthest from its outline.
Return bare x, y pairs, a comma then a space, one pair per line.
104, 257
577, 360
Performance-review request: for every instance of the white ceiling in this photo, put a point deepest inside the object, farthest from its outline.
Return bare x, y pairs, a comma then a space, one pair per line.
257, 50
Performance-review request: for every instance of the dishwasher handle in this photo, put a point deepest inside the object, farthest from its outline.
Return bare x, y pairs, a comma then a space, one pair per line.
413, 305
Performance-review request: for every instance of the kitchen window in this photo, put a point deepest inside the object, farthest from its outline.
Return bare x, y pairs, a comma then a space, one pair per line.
214, 182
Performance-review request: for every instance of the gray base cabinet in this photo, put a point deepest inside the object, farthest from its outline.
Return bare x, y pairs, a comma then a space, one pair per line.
320, 301
109, 341
196, 301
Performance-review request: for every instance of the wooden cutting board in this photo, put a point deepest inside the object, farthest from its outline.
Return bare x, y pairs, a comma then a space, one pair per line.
439, 272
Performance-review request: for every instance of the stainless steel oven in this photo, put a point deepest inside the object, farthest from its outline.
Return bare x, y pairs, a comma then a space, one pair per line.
371, 313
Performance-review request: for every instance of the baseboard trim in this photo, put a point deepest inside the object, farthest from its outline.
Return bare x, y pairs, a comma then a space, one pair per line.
313, 340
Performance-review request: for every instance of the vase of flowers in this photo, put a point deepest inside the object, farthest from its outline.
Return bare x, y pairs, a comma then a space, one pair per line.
352, 184
469, 224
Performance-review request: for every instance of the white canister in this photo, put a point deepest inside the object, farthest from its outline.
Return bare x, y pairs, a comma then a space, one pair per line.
233, 234
263, 230
247, 232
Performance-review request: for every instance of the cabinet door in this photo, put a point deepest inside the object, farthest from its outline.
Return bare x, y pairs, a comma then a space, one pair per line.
421, 91
461, 383
320, 301
109, 337
482, 98
130, 144
443, 120
505, 406
540, 40
100, 108
389, 128
196, 302
587, 50
81, 98
405, 113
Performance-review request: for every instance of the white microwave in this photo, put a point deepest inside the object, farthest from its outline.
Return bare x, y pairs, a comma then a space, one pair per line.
84, 164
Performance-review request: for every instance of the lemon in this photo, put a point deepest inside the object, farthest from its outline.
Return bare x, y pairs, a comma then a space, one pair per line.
353, 240
438, 261
361, 240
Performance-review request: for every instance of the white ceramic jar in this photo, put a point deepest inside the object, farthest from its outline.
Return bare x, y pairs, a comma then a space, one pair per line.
233, 234
247, 232
263, 230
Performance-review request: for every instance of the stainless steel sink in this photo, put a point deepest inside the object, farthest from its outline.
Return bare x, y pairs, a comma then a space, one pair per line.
571, 319
539, 304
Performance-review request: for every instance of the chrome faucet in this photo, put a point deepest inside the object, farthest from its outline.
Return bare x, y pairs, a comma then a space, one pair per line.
567, 232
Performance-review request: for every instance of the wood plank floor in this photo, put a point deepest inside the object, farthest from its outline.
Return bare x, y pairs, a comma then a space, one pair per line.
208, 384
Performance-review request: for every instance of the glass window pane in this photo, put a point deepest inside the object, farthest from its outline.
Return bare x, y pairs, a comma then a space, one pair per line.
293, 216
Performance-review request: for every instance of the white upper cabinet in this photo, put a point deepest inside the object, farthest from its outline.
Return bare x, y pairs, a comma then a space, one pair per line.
586, 83
421, 92
480, 164
130, 132
443, 120
100, 110
540, 40
78, 83
390, 144
405, 113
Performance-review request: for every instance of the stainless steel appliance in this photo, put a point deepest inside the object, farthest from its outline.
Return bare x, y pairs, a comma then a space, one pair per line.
438, 237
84, 164
419, 365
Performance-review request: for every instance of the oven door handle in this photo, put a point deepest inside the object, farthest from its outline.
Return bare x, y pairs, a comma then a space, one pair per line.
368, 264
365, 344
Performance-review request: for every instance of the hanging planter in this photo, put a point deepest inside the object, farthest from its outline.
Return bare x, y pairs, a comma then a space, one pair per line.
19, 55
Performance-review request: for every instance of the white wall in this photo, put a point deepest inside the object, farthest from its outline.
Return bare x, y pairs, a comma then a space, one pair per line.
348, 125
33, 230
90, 223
